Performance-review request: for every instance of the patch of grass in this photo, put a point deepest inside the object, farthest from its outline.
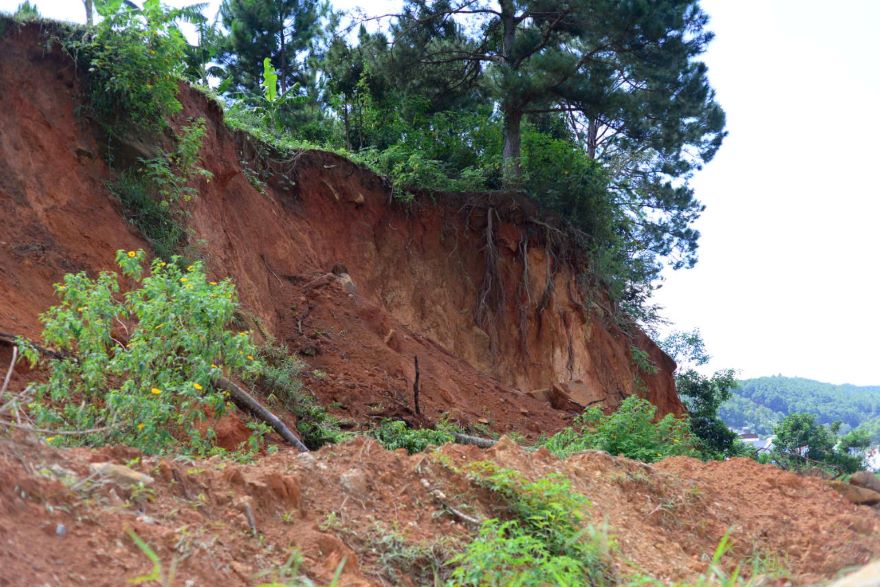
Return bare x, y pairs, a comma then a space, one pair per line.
157, 574
152, 193
759, 570
394, 434
288, 573
279, 378
546, 542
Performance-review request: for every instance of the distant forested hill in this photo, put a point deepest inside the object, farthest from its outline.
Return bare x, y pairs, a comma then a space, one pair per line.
760, 403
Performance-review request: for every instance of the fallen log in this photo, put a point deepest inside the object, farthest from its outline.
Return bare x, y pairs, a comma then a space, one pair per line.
474, 440
246, 401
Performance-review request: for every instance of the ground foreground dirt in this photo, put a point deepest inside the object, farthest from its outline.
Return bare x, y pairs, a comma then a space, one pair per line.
222, 523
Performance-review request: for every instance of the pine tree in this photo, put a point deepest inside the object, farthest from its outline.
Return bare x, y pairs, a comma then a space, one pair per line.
282, 30
624, 71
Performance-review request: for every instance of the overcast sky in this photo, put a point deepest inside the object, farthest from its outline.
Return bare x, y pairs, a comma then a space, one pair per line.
788, 276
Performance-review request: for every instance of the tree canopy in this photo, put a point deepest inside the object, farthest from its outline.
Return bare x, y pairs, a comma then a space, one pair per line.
599, 110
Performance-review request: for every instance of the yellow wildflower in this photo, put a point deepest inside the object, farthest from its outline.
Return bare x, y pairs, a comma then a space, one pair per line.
80, 309
183, 280
155, 391
50, 438
189, 268
250, 357
197, 387
189, 286
212, 283
141, 426
132, 254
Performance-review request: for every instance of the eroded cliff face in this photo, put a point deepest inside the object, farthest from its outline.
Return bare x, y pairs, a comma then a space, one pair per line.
326, 263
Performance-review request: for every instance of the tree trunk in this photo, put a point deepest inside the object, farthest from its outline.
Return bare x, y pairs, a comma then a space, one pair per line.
283, 58
511, 153
510, 168
89, 4
592, 138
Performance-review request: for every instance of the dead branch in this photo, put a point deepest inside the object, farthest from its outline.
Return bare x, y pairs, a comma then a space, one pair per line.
443, 502
474, 440
9, 371
247, 401
416, 390
10, 338
28, 428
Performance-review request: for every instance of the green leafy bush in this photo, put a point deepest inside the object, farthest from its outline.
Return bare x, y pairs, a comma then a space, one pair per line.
152, 194
134, 59
631, 431
394, 434
140, 366
546, 543
277, 376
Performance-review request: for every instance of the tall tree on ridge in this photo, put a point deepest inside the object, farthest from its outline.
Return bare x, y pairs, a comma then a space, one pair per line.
624, 68
282, 30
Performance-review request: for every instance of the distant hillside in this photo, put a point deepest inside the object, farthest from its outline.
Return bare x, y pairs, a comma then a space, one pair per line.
760, 403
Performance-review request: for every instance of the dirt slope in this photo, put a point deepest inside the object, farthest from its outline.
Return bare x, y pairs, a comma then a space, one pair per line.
370, 507
408, 278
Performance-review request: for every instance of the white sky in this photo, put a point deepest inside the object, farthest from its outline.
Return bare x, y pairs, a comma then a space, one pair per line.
788, 277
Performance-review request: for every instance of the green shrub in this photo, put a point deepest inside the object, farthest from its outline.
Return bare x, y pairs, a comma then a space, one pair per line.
394, 434
546, 543
152, 194
278, 376
140, 366
631, 431
134, 59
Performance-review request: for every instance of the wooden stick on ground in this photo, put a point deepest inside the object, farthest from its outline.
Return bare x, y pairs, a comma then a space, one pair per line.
9, 372
247, 401
474, 440
416, 389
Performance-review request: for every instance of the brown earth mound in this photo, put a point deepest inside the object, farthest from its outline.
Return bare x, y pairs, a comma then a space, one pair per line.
326, 263
221, 523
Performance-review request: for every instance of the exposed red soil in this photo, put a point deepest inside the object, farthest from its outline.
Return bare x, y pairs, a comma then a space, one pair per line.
408, 278
366, 505
327, 264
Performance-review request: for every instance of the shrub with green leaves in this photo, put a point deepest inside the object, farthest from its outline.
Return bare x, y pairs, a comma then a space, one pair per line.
631, 431
140, 366
394, 434
134, 58
153, 192
547, 541
278, 378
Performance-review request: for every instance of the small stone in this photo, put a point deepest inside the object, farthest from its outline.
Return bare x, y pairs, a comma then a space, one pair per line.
148, 520
483, 420
855, 494
866, 480
354, 481
60, 530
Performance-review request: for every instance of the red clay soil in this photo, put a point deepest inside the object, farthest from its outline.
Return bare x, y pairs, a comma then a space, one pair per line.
62, 525
358, 285
325, 263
